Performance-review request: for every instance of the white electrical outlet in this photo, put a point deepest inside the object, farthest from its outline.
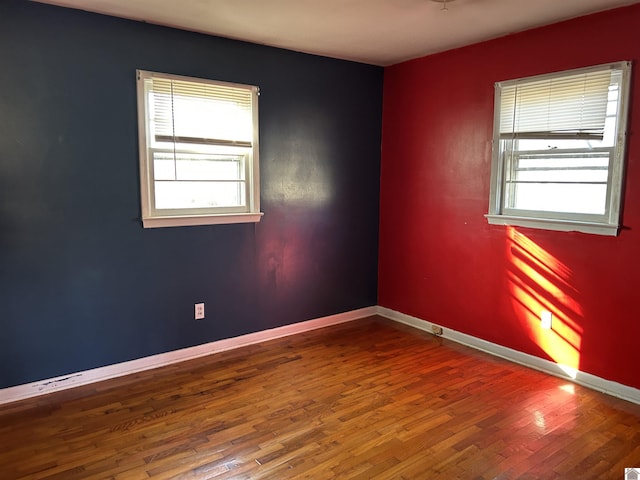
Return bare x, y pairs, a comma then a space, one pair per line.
199, 311
545, 319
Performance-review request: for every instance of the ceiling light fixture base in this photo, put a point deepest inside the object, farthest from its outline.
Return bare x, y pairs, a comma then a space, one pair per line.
444, 3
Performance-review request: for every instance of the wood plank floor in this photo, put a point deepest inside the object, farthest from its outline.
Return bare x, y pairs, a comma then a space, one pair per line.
365, 400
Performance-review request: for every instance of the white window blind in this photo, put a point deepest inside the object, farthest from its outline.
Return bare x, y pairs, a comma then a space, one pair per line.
190, 112
560, 106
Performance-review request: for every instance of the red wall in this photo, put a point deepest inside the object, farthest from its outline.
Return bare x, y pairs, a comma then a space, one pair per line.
441, 261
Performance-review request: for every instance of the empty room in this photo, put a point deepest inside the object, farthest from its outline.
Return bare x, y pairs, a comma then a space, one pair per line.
350, 239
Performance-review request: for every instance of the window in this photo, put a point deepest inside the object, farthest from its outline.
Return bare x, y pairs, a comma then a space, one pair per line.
198, 151
558, 150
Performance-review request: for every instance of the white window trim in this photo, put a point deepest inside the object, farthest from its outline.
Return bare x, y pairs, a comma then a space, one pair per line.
545, 220
554, 224
152, 220
194, 220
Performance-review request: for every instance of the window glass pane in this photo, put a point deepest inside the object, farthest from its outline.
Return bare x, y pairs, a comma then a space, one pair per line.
558, 182
187, 195
567, 161
525, 145
164, 168
562, 176
554, 197
191, 166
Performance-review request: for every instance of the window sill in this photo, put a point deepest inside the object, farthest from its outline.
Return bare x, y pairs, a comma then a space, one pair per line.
193, 220
553, 224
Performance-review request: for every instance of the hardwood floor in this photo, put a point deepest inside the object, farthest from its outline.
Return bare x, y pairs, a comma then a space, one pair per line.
365, 400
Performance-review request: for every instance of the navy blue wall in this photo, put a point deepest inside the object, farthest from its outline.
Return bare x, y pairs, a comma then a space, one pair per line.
82, 284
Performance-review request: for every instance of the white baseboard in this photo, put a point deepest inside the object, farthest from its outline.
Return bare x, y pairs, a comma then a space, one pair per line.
585, 379
86, 377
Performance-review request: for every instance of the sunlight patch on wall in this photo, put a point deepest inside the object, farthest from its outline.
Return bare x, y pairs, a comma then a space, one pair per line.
539, 282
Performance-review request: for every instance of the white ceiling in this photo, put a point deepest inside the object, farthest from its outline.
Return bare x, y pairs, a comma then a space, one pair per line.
379, 32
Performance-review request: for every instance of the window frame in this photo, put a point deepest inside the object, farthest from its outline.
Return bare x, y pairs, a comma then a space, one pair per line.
153, 217
608, 223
